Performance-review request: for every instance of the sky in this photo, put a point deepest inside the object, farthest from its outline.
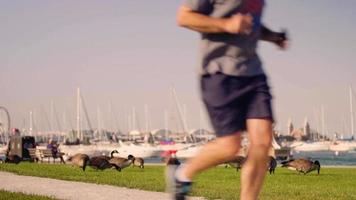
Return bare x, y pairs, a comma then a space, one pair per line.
128, 54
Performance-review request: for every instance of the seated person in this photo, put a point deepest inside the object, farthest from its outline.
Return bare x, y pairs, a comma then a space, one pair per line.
54, 148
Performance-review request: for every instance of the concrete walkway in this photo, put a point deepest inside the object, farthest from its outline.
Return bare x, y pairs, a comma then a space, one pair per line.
70, 190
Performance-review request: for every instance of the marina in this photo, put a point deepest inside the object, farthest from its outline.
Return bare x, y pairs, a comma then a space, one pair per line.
150, 145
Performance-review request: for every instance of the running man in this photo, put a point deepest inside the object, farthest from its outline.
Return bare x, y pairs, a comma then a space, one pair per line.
234, 88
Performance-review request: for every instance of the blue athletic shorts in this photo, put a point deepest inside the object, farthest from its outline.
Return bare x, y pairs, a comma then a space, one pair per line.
231, 100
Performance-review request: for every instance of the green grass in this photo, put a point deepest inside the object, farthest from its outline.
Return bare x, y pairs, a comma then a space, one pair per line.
5, 195
217, 183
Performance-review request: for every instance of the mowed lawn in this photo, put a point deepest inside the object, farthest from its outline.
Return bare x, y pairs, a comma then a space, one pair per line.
217, 183
5, 195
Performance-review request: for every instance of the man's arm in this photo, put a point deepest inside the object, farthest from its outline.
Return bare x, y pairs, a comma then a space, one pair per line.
205, 24
278, 38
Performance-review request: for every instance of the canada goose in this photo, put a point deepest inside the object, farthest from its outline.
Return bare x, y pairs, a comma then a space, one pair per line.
121, 163
137, 161
109, 157
302, 165
112, 153
13, 159
80, 160
99, 162
237, 162
272, 165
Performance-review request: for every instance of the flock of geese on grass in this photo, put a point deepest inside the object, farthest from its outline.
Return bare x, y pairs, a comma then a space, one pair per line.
106, 162
301, 165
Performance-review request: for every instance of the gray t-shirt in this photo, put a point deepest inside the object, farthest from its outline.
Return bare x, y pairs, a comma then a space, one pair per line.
231, 54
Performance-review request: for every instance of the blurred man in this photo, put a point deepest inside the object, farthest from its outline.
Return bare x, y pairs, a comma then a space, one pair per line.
234, 88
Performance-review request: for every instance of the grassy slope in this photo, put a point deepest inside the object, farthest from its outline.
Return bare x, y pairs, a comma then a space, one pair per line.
217, 183
4, 195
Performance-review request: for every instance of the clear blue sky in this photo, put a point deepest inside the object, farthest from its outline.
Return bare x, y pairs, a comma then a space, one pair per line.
131, 52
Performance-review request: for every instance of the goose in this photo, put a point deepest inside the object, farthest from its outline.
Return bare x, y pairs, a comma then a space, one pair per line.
237, 162
302, 165
13, 159
120, 163
137, 161
80, 160
103, 162
100, 162
240, 160
272, 165
109, 157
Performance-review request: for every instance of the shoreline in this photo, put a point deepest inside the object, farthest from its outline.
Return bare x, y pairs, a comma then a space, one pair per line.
221, 165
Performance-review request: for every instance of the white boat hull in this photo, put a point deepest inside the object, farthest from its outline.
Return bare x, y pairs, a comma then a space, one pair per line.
308, 147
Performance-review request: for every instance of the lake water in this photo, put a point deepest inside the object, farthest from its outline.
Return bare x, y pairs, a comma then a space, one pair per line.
326, 158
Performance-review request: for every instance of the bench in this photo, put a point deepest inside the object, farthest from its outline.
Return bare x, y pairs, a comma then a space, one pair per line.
47, 153
34, 154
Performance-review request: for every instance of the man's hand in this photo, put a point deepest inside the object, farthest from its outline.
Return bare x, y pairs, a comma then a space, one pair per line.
239, 24
282, 40
278, 38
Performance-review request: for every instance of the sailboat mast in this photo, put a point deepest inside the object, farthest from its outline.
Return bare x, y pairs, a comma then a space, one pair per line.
129, 125
31, 123
351, 113
180, 112
99, 124
54, 117
322, 121
166, 123
64, 120
109, 118
317, 119
146, 118
78, 113
133, 118
8, 121
51, 115
200, 120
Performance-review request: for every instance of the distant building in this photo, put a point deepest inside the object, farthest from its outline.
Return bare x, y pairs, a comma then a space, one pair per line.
306, 128
298, 134
303, 133
290, 127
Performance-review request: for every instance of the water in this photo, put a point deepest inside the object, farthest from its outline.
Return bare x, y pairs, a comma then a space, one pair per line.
328, 158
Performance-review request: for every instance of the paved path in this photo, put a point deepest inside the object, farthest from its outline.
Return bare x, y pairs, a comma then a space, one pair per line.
60, 189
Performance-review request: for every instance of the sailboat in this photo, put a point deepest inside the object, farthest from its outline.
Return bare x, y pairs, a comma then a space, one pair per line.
352, 114
349, 145
144, 151
340, 146
310, 146
5, 124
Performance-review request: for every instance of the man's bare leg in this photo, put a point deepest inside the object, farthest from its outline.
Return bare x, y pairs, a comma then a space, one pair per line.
255, 167
213, 153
